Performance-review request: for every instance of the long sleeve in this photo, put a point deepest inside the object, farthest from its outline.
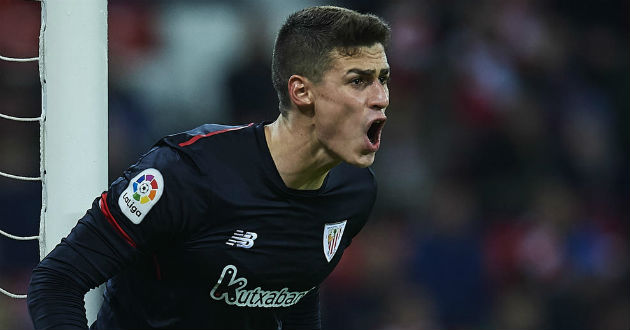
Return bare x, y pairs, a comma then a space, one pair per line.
83, 260
305, 315
127, 221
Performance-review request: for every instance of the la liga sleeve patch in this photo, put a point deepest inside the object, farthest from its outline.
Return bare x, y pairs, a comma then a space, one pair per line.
142, 193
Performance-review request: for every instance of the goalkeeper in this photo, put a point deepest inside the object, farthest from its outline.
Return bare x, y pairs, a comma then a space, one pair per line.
235, 227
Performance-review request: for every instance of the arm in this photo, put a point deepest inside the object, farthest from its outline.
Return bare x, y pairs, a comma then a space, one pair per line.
107, 239
305, 315
83, 260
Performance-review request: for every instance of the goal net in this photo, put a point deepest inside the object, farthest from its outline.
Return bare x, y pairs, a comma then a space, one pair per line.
73, 122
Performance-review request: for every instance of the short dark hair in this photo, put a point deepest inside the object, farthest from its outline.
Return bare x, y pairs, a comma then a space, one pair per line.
307, 38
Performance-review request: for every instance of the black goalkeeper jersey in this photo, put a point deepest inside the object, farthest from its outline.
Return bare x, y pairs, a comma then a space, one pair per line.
203, 233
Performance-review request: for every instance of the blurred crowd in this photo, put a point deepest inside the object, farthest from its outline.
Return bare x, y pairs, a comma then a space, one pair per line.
503, 173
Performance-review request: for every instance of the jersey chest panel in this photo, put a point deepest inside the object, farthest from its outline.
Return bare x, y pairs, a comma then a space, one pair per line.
260, 243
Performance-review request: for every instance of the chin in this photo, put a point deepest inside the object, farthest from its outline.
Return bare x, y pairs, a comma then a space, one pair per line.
363, 160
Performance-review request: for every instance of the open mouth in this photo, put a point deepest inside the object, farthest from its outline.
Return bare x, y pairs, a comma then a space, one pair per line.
374, 132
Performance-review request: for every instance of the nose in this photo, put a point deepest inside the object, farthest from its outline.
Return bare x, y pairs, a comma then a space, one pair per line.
379, 96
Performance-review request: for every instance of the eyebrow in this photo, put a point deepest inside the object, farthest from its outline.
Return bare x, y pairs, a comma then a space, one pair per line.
367, 72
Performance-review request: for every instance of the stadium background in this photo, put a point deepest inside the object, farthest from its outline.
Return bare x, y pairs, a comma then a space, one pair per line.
503, 174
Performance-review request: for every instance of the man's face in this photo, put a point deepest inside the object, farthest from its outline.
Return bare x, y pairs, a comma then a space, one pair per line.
350, 103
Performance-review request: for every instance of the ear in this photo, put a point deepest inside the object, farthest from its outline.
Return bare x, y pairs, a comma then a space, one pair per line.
299, 91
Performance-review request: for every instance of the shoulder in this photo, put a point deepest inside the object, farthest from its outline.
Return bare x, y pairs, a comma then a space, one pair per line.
162, 167
354, 189
355, 176
206, 144
354, 181
167, 162
185, 154
199, 135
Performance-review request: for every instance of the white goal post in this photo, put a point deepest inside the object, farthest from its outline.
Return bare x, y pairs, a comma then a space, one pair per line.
73, 69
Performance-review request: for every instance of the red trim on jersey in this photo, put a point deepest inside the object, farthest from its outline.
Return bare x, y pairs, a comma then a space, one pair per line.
197, 137
105, 210
158, 271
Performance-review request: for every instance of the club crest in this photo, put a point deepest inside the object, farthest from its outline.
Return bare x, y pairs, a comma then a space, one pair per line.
332, 238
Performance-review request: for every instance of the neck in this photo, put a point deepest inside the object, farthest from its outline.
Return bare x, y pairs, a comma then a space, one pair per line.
301, 160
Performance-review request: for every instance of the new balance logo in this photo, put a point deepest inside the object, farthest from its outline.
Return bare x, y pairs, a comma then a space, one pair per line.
242, 239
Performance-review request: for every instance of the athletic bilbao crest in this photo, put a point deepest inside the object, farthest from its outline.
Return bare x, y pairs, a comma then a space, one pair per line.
332, 237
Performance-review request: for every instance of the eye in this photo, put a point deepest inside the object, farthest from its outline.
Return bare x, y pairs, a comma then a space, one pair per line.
357, 81
383, 79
